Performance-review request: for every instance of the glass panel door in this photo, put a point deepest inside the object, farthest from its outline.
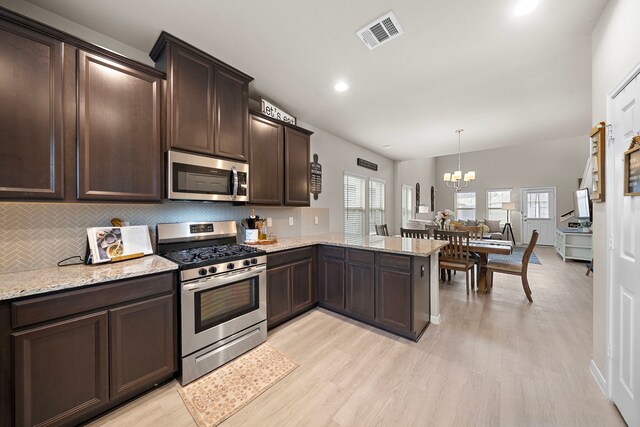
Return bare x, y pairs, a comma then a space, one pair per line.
218, 305
538, 205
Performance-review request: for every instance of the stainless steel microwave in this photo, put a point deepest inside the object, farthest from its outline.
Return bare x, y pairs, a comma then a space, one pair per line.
196, 177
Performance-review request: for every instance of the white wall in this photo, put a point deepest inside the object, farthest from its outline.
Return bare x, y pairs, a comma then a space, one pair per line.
338, 156
558, 163
615, 51
410, 172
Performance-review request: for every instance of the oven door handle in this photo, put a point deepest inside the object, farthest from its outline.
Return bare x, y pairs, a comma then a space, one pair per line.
224, 279
234, 172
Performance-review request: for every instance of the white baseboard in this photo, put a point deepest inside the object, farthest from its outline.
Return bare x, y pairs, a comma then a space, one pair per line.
597, 375
436, 319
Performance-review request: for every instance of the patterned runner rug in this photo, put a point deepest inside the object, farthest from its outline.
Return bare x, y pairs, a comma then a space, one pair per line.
223, 392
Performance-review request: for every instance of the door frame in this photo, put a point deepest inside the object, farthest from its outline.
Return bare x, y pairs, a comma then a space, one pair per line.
555, 208
610, 210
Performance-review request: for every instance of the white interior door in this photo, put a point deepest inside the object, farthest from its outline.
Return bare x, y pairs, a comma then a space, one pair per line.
539, 213
624, 260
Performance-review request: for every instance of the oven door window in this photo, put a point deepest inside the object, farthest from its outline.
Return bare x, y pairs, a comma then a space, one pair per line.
200, 180
218, 305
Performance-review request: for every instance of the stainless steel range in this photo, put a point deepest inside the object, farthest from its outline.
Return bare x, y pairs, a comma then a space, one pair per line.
223, 293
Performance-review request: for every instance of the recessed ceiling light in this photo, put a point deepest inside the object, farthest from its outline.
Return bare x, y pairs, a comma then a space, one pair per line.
341, 87
387, 147
524, 7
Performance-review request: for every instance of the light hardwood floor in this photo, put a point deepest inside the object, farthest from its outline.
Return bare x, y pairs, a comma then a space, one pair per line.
495, 360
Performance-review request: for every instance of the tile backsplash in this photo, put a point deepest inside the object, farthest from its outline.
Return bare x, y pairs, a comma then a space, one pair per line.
37, 235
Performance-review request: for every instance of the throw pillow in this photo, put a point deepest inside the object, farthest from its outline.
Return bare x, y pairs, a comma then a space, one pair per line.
471, 223
494, 226
485, 229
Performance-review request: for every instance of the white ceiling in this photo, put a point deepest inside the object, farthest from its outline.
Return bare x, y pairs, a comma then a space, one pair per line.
460, 63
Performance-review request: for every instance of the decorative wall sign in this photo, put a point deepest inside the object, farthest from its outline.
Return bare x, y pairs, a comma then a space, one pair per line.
272, 111
367, 164
417, 196
433, 198
316, 177
632, 172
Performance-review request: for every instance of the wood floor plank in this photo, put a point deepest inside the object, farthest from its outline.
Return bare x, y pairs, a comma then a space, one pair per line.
495, 359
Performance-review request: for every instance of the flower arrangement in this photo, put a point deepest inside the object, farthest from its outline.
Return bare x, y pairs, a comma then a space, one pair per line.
444, 217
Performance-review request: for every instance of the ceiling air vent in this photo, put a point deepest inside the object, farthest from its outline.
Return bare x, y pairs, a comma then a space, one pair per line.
380, 31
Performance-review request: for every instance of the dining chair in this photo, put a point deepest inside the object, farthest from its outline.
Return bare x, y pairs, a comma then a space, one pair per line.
382, 230
415, 233
475, 232
455, 256
515, 268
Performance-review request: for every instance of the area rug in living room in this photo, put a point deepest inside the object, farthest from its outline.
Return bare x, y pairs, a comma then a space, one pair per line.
223, 392
516, 256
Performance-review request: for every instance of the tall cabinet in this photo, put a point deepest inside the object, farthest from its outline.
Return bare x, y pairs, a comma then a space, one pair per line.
279, 162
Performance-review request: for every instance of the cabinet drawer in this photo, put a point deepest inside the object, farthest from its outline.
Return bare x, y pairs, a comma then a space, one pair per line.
363, 257
333, 252
42, 309
400, 262
287, 257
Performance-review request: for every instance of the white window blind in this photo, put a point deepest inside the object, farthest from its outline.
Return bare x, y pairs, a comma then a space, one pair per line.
376, 204
354, 205
495, 199
407, 206
466, 206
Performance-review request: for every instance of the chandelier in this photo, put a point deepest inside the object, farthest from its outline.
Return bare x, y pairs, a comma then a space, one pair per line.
455, 179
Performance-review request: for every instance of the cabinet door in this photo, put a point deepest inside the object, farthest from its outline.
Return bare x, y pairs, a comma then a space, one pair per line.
278, 293
143, 345
266, 161
360, 291
303, 289
296, 167
119, 131
231, 116
31, 131
393, 299
189, 102
331, 289
61, 370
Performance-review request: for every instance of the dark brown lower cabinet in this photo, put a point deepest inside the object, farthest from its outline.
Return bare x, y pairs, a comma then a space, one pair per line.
360, 291
291, 284
61, 370
393, 299
331, 287
81, 352
142, 349
386, 290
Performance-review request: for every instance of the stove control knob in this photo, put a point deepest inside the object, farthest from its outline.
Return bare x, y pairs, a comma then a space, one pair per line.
254, 261
230, 266
202, 271
212, 270
246, 262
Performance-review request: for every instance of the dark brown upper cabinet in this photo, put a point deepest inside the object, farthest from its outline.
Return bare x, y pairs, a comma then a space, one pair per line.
119, 131
297, 153
278, 163
207, 100
31, 121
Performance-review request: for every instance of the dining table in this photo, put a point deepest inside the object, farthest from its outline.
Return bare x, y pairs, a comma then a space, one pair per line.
484, 247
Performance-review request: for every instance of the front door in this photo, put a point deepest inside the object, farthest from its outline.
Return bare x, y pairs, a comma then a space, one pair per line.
624, 282
539, 213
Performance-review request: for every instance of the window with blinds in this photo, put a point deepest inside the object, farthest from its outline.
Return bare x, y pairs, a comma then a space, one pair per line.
354, 205
364, 201
495, 199
376, 204
466, 206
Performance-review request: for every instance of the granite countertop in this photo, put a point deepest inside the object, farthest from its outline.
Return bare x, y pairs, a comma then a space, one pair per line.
32, 282
396, 245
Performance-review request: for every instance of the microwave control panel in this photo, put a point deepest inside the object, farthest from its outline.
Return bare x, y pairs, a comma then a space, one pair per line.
242, 183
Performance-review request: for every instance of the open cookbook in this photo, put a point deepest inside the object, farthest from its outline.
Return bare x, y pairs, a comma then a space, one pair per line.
118, 243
